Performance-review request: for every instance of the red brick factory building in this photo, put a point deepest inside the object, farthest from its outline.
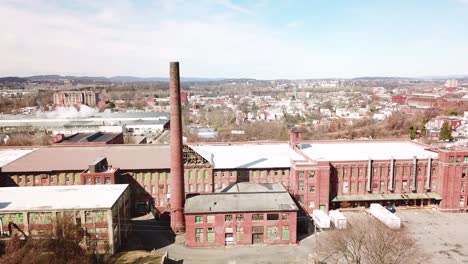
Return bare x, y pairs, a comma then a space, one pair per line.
316, 175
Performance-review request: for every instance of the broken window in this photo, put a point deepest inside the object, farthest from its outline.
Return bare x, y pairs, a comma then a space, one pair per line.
198, 235
272, 232
272, 217
227, 218
240, 218
257, 217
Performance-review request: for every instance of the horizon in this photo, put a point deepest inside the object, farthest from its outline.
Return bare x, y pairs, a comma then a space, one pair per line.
243, 39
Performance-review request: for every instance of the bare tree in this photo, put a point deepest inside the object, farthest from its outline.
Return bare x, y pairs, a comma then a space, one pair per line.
62, 243
368, 241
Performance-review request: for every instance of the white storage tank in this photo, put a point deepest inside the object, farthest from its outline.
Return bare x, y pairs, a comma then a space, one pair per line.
338, 219
384, 216
321, 219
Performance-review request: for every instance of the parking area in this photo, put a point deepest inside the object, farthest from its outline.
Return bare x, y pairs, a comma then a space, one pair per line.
443, 235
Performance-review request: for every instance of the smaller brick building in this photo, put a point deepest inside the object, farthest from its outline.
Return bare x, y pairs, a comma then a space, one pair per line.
242, 214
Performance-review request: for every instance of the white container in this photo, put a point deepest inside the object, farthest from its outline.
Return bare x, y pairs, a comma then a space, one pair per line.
338, 219
321, 219
384, 216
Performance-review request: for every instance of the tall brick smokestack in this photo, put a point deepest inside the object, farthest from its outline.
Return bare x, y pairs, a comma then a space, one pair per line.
177, 163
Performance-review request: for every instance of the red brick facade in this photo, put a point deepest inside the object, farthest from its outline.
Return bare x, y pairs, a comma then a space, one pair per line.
205, 230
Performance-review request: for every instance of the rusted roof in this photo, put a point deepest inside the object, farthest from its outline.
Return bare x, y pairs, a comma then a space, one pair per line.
76, 158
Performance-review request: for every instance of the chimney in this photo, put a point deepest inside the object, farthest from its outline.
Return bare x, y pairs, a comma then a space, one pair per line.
177, 165
294, 137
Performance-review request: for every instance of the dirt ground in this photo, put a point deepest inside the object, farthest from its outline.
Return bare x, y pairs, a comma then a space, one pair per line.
136, 257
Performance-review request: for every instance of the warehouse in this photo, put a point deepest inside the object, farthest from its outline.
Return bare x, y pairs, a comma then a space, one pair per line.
242, 214
102, 210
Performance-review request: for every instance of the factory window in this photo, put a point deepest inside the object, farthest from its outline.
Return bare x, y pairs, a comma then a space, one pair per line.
254, 173
450, 158
87, 180
207, 174
210, 219
210, 234
276, 173
224, 174
272, 232
231, 174
360, 172
301, 175
207, 187
345, 187
459, 158
311, 204
97, 180
301, 185
462, 201
383, 172
139, 176
77, 178
352, 187
345, 172
405, 186
311, 189
67, 178
153, 189
240, 233
463, 187
285, 216
52, 178
191, 174
153, 176
272, 217
228, 218
434, 171
28, 179
359, 186
147, 176
199, 174
199, 188
191, 188
375, 171
419, 170
301, 198
465, 159
240, 217
199, 235
107, 180
257, 217
405, 170
464, 172
350, 172
312, 175
285, 233
262, 173
168, 175
198, 219
283, 173
37, 179
161, 176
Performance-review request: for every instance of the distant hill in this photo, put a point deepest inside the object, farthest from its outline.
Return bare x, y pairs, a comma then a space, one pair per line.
59, 78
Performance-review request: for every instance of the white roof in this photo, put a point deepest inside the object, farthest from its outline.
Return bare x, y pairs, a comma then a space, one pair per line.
248, 155
348, 151
10, 155
46, 198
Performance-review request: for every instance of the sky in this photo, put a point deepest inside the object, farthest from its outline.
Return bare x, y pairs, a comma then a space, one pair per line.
263, 39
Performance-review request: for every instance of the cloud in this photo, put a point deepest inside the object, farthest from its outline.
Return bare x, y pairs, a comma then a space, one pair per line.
232, 6
294, 24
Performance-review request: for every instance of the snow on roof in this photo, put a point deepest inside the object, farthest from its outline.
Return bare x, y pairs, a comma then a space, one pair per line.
347, 151
46, 198
248, 156
10, 155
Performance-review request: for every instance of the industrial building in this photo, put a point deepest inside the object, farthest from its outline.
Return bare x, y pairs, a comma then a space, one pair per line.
70, 98
96, 138
183, 179
243, 214
134, 123
103, 211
